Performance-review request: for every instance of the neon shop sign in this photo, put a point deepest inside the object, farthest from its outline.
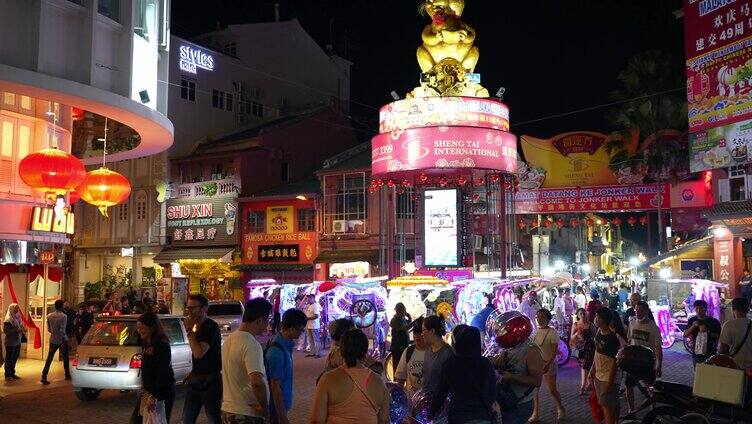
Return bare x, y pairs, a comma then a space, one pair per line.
192, 58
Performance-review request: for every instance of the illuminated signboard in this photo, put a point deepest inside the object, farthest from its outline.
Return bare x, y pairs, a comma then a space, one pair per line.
210, 222
50, 220
438, 111
441, 228
192, 58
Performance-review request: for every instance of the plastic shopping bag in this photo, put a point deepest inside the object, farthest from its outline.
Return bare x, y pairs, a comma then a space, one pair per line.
595, 408
157, 416
701, 343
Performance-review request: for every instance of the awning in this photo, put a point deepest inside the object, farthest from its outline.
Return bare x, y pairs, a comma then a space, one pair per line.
223, 254
678, 251
342, 256
273, 267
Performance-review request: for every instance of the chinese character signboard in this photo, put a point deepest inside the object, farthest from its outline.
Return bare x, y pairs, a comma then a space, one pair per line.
720, 147
724, 258
279, 253
592, 199
207, 222
282, 232
718, 47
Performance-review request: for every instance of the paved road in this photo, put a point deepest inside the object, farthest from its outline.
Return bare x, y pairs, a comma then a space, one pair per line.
57, 404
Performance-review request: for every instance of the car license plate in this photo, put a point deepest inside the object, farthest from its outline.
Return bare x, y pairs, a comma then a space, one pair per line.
103, 362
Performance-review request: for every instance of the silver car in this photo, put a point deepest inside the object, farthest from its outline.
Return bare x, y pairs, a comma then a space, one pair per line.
228, 314
109, 356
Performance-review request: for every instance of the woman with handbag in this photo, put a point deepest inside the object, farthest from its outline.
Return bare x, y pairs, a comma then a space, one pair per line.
582, 339
158, 380
352, 393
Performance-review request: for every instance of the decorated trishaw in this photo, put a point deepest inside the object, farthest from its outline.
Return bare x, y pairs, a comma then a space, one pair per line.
673, 306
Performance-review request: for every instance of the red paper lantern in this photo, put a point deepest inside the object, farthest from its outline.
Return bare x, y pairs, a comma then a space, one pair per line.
51, 171
617, 221
606, 222
590, 222
643, 220
406, 183
534, 224
476, 197
423, 178
479, 181
560, 223
547, 223
574, 222
461, 180
390, 183
631, 221
521, 223
494, 178
104, 188
73, 197
442, 181
507, 185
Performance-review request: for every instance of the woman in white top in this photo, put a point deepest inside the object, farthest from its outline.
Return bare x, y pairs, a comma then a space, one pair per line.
548, 341
580, 299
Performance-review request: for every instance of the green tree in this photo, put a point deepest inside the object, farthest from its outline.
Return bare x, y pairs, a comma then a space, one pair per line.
651, 100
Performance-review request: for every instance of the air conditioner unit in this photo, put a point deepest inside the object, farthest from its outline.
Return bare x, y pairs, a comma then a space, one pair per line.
339, 226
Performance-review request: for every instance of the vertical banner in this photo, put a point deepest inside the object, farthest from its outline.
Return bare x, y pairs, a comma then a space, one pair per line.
724, 259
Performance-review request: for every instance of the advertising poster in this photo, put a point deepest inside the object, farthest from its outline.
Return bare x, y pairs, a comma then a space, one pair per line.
592, 199
580, 159
437, 111
444, 147
210, 222
720, 147
440, 230
718, 47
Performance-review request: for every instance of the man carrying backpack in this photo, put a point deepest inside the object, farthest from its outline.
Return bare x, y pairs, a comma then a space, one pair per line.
279, 364
410, 366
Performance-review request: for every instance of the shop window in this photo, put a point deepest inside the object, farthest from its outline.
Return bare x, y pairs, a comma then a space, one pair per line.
26, 102
145, 18
405, 205
737, 183
9, 99
187, 90
256, 222
123, 212
110, 8
307, 219
345, 203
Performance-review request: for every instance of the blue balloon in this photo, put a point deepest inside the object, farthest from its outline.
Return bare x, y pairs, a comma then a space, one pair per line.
399, 404
422, 403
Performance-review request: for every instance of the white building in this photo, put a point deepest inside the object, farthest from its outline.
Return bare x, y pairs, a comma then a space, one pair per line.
220, 83
83, 61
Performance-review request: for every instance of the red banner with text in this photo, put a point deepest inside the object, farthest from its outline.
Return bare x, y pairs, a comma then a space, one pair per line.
592, 199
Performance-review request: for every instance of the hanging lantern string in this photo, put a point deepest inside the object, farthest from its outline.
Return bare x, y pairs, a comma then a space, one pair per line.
104, 149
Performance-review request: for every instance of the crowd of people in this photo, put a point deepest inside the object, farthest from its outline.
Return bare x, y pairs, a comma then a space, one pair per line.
241, 381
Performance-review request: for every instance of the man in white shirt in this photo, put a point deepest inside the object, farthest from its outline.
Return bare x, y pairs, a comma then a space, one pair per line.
313, 326
245, 394
530, 307
410, 369
559, 308
733, 334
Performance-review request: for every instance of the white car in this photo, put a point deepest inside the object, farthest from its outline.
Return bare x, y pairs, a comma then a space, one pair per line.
109, 356
228, 314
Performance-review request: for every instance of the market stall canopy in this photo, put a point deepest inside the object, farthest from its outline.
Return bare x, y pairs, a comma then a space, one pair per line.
222, 254
341, 256
678, 251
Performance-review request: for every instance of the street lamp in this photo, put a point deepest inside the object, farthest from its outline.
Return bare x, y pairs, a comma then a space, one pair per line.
665, 273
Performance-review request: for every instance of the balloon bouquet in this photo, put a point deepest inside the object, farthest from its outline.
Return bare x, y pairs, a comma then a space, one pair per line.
504, 330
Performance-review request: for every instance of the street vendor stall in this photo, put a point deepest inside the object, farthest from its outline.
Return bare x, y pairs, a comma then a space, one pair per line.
471, 297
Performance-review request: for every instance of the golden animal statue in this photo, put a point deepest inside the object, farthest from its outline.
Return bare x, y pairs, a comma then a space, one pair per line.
447, 55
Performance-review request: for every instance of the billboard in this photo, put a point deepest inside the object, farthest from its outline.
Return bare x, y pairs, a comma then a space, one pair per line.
281, 234
443, 147
592, 199
718, 47
441, 228
720, 147
208, 222
438, 111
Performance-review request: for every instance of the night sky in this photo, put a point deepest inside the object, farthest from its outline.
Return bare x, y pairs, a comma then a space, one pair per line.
551, 56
